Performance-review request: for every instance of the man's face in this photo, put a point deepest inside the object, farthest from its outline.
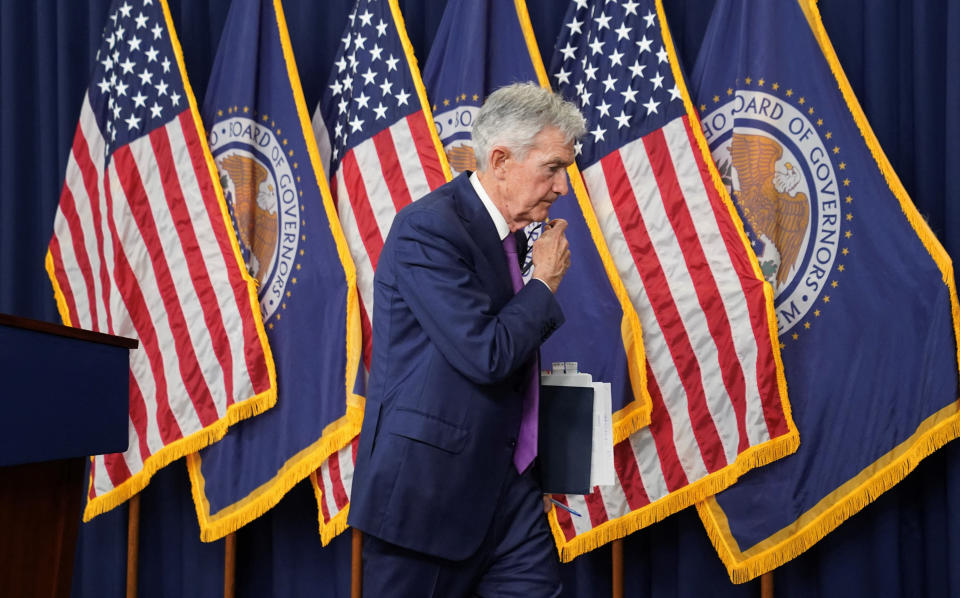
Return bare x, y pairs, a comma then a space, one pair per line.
532, 185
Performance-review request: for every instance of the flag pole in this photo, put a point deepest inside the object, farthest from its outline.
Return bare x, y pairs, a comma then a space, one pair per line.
616, 550
766, 585
356, 565
133, 544
229, 565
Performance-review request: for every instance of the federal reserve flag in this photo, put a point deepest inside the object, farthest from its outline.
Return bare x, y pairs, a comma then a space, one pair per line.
712, 361
262, 142
865, 299
374, 124
481, 46
142, 247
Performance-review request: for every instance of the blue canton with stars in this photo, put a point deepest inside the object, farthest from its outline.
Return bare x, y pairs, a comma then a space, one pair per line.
610, 60
136, 82
371, 86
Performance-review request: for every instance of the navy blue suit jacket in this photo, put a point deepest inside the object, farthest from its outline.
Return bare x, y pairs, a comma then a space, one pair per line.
452, 345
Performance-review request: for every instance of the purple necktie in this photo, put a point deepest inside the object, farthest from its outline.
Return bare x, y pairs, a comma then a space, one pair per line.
527, 439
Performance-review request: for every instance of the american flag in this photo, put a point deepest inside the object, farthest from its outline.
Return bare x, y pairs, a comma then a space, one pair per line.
713, 371
142, 247
384, 153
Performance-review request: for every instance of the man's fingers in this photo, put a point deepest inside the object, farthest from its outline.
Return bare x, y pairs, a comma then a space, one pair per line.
557, 224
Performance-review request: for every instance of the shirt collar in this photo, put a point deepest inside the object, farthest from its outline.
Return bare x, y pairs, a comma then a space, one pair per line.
503, 229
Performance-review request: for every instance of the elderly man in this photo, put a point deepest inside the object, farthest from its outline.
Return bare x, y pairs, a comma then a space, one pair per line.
445, 484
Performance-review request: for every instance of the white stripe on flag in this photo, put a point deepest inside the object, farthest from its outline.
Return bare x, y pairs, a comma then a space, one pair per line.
196, 333
345, 458
97, 146
578, 503
215, 266
378, 194
71, 269
654, 342
644, 449
143, 375
348, 222
670, 254
101, 481
138, 256
132, 455
731, 289
409, 158
328, 489
616, 241
74, 181
226, 309
614, 500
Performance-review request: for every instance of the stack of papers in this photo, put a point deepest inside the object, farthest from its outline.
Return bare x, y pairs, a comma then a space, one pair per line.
575, 436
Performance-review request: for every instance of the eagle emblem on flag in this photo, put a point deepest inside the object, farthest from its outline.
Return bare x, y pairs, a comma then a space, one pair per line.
254, 208
769, 200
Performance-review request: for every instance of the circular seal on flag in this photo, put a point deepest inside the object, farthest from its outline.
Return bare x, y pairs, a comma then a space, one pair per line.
776, 164
263, 201
453, 128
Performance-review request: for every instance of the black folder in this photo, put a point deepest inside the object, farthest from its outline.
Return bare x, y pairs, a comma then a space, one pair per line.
565, 438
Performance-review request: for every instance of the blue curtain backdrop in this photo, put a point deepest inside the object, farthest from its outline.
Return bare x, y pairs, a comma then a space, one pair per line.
903, 60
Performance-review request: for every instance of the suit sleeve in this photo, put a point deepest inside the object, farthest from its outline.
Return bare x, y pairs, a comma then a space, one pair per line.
438, 280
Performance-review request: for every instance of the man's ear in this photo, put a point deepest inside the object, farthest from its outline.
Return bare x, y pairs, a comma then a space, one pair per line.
498, 158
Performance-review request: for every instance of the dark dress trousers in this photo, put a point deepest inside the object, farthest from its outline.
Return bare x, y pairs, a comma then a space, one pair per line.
451, 346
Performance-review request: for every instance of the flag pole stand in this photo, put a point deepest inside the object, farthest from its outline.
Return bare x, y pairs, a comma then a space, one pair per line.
616, 553
356, 565
766, 585
229, 565
133, 544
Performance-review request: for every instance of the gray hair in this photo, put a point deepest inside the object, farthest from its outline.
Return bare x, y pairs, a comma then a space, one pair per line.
513, 115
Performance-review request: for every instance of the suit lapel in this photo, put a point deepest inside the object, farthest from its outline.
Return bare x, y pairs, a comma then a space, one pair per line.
484, 234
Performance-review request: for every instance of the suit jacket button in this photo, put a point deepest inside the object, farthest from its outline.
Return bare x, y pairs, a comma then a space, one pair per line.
512, 443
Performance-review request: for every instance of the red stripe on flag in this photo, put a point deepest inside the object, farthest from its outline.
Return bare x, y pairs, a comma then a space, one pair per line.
136, 308
362, 210
62, 281
116, 468
323, 498
138, 417
252, 348
564, 518
202, 285
629, 475
664, 309
390, 168
339, 493
755, 300
69, 210
661, 427
598, 512
426, 149
708, 295
81, 153
353, 448
332, 183
187, 361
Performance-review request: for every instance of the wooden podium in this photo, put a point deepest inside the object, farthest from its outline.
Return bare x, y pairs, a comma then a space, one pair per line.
65, 396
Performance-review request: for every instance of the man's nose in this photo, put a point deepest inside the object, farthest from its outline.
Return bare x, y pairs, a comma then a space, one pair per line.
560, 182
